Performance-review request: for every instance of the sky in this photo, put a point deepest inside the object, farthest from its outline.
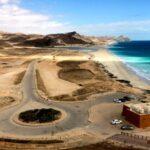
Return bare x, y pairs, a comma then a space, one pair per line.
90, 17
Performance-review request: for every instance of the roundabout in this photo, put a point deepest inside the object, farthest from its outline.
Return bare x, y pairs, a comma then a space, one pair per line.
39, 116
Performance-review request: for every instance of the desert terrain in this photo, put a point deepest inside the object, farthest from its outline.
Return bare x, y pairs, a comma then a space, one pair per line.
78, 84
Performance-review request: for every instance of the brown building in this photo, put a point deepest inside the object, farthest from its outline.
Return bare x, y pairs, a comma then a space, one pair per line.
137, 114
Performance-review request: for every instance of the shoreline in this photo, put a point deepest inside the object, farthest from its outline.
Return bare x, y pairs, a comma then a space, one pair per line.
119, 69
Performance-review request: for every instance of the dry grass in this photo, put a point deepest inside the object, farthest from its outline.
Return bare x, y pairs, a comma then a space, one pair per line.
70, 64
104, 146
64, 97
40, 83
15, 144
19, 78
92, 77
73, 75
10, 144
4, 101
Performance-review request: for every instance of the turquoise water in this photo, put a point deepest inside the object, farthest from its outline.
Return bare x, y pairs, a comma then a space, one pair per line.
136, 55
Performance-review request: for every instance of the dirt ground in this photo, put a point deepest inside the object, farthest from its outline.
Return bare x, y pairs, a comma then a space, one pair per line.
104, 146
77, 80
54, 85
13, 63
9, 145
62, 81
11, 74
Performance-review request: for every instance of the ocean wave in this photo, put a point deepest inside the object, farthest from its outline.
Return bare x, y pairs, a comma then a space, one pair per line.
143, 74
140, 72
133, 64
135, 55
131, 59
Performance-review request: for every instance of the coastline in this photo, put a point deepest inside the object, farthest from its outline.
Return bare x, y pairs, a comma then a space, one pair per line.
116, 66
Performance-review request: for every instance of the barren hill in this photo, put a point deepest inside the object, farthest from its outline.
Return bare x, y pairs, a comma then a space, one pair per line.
62, 39
47, 40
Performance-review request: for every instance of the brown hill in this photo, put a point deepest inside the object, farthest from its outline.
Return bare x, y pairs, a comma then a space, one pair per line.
47, 40
70, 38
57, 39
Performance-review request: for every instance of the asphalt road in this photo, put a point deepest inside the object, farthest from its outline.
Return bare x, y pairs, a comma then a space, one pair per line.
77, 112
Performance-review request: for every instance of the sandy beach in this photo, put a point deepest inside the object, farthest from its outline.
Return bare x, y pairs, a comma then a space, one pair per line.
114, 65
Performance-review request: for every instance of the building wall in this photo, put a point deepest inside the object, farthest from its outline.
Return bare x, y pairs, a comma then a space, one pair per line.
145, 121
141, 121
131, 116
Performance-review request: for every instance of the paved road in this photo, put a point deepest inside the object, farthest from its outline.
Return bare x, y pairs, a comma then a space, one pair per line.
77, 112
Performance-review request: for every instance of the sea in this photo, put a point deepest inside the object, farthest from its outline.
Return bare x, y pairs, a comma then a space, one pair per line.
135, 54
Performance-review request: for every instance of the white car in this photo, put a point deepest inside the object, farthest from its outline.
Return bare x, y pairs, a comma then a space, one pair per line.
116, 100
116, 121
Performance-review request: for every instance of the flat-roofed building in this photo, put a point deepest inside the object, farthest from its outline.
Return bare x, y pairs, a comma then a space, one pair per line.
137, 114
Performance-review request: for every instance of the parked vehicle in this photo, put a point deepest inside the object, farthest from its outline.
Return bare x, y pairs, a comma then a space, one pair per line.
116, 121
122, 100
116, 100
126, 98
127, 127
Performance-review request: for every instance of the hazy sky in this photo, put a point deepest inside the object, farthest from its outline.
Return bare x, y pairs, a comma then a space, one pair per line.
92, 17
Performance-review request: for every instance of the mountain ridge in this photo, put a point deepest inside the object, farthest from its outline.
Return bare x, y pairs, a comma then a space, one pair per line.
60, 39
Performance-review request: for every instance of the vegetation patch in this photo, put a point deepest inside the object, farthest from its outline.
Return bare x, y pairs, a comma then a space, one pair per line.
92, 78
19, 77
64, 97
70, 64
73, 75
40, 115
30, 141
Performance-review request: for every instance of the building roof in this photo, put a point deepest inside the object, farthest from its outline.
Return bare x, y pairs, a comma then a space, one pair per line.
140, 108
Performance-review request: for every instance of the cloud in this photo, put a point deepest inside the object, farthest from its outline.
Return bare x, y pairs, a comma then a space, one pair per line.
117, 27
16, 19
8, 1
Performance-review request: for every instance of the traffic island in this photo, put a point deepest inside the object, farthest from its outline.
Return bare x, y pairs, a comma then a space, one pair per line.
37, 116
